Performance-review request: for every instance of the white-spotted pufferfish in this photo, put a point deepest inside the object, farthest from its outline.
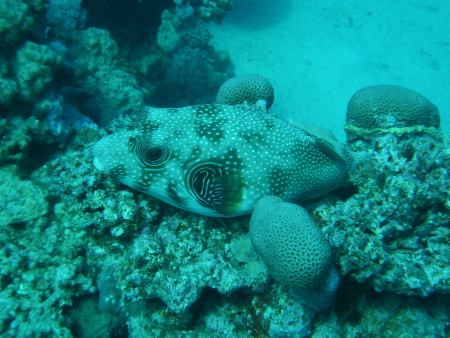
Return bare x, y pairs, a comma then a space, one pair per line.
219, 160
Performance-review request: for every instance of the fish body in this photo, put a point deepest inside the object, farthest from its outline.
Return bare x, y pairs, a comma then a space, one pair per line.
219, 160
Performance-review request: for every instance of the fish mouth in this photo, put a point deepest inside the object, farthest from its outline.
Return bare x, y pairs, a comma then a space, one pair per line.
99, 165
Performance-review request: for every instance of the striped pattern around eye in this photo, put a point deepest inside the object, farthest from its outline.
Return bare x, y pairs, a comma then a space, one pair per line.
203, 185
152, 156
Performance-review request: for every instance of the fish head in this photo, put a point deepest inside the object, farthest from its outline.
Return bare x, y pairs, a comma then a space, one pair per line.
171, 154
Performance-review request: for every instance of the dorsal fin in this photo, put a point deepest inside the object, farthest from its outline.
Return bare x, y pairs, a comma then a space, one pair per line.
327, 148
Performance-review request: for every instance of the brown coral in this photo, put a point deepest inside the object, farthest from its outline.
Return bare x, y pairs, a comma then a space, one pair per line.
246, 88
388, 106
14, 20
41, 54
33, 69
293, 247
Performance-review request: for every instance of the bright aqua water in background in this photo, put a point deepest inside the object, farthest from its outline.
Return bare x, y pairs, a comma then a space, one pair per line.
318, 54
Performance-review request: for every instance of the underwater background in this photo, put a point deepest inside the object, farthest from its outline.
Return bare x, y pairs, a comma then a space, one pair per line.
83, 255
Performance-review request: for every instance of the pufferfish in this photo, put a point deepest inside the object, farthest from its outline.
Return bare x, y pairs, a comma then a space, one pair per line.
219, 160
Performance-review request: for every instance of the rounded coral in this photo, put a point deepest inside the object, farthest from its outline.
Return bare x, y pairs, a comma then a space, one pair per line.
249, 88
387, 106
295, 250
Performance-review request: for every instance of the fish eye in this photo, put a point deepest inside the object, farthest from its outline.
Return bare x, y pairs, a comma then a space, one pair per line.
153, 154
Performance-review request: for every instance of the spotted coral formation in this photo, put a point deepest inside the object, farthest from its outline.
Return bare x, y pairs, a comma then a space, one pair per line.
246, 88
295, 250
293, 247
386, 107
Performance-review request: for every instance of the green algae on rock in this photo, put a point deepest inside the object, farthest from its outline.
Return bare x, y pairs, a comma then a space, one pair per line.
20, 201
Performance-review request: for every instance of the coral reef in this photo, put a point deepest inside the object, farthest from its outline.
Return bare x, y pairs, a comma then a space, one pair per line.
391, 233
105, 78
20, 201
10, 89
15, 19
194, 69
296, 252
208, 10
94, 48
362, 312
38, 277
387, 107
20, 140
82, 255
249, 88
33, 70
167, 273
119, 91
66, 15
212, 10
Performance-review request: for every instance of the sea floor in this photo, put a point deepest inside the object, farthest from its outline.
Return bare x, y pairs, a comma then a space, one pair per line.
318, 54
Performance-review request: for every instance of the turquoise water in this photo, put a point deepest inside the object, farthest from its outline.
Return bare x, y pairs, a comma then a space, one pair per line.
318, 54
84, 255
